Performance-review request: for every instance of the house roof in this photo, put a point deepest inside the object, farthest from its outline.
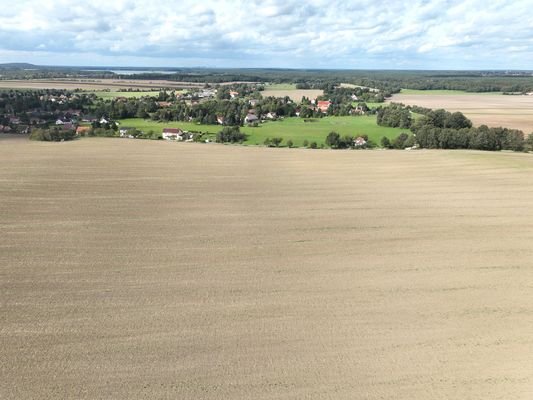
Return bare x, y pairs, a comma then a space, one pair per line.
172, 130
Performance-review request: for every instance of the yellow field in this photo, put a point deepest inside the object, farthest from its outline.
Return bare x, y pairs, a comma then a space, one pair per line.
294, 94
146, 269
492, 110
99, 84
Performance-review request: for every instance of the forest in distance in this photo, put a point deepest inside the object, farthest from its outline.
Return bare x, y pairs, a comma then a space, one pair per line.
389, 81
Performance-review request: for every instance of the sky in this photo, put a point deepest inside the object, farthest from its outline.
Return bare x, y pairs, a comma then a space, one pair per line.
372, 34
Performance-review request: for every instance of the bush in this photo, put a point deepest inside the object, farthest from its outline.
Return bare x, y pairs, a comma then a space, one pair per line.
52, 135
290, 143
385, 142
230, 134
333, 139
313, 145
306, 143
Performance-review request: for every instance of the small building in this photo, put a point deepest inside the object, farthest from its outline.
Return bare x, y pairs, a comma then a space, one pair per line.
104, 120
172, 134
233, 94
82, 130
323, 105
220, 119
63, 121
251, 118
164, 104
271, 115
253, 102
359, 141
125, 131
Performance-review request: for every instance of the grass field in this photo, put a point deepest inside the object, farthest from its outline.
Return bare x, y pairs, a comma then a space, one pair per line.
113, 95
489, 109
152, 270
295, 129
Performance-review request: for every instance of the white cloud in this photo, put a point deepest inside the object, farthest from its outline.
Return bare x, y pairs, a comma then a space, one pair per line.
282, 33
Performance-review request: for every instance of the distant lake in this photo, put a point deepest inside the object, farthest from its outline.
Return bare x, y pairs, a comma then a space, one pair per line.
133, 72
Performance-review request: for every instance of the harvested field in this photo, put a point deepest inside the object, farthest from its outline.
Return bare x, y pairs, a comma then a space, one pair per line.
144, 269
295, 94
492, 110
99, 84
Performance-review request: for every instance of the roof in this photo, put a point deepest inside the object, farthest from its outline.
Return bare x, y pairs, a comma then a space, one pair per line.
172, 130
83, 128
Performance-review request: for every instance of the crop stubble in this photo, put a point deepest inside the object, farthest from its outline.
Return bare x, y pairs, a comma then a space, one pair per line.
134, 269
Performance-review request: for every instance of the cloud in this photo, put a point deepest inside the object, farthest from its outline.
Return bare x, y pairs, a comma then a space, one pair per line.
271, 33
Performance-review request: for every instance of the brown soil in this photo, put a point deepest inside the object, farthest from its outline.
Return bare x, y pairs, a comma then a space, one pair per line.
142, 269
493, 110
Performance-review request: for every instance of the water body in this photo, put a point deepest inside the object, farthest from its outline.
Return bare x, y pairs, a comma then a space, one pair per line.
133, 72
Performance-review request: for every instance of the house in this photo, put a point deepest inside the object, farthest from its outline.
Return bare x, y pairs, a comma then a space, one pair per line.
354, 97
68, 126
359, 141
323, 105
14, 120
253, 102
271, 115
124, 131
359, 110
251, 118
104, 120
172, 134
233, 94
63, 121
164, 104
82, 130
220, 119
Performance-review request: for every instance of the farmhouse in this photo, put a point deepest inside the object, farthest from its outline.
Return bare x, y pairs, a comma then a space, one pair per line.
63, 121
250, 118
359, 141
323, 105
172, 134
125, 131
82, 130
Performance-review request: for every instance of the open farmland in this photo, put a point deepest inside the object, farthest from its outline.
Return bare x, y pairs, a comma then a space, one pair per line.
112, 95
144, 269
294, 94
99, 84
489, 109
295, 129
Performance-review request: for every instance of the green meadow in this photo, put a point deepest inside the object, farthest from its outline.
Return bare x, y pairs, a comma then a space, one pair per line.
295, 129
113, 94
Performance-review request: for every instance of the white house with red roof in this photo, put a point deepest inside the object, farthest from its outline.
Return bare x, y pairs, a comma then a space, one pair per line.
172, 134
323, 105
